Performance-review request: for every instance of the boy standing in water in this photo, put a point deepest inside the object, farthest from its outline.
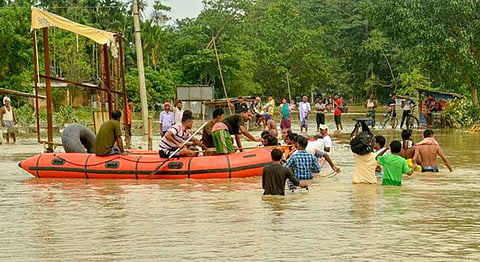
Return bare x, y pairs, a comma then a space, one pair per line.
394, 166
275, 175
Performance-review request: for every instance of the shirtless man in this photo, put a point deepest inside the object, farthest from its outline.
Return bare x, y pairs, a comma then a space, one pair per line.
272, 126
428, 149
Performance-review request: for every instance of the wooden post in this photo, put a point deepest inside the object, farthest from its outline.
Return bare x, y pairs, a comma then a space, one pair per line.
141, 69
108, 81
35, 66
150, 133
122, 78
289, 92
102, 95
116, 83
48, 88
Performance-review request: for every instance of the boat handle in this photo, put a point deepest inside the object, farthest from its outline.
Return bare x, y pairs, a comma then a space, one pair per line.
112, 164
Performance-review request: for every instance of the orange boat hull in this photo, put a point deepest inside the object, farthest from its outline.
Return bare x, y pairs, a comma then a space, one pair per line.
147, 165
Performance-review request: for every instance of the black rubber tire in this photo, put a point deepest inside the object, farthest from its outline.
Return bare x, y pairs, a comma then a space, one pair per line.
77, 138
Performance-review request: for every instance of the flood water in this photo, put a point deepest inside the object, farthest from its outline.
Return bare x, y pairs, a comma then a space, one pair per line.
432, 217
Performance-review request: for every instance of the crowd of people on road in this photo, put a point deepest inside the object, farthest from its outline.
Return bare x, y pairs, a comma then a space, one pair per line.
429, 107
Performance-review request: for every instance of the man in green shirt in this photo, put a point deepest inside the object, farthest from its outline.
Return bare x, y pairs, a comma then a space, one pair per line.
109, 137
275, 175
207, 139
394, 166
231, 125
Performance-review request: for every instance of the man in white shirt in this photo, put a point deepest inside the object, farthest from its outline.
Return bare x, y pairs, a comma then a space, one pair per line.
178, 112
303, 111
327, 140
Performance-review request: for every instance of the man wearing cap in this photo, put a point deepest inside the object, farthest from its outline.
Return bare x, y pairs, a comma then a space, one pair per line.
327, 140
167, 119
8, 119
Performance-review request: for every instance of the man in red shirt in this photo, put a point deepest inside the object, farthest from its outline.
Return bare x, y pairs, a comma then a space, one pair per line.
337, 114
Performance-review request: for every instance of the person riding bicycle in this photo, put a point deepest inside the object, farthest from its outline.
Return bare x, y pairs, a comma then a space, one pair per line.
407, 107
391, 104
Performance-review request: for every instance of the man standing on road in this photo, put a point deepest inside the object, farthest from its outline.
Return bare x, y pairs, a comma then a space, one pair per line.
303, 111
178, 112
337, 114
167, 119
407, 106
320, 116
371, 106
8, 119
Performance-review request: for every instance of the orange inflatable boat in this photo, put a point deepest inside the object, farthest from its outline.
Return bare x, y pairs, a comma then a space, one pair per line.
147, 165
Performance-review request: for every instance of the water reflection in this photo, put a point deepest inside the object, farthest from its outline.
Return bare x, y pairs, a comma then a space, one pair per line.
364, 202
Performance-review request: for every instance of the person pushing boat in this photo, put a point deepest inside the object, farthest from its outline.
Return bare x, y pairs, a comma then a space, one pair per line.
231, 125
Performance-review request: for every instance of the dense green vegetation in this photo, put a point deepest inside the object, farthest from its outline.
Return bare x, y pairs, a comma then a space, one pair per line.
348, 46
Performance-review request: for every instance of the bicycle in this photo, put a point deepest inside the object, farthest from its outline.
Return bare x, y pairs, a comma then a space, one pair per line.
389, 118
412, 121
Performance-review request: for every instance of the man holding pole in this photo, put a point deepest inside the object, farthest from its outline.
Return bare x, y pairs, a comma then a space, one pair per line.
174, 141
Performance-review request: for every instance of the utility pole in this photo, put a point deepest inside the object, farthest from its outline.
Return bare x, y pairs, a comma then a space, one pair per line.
141, 70
289, 92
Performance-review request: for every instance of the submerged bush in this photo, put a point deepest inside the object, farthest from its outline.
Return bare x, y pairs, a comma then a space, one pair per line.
461, 114
63, 115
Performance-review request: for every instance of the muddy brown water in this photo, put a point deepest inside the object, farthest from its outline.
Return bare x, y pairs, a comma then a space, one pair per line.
432, 217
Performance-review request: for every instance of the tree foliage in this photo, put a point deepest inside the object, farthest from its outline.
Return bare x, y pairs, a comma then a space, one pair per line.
349, 46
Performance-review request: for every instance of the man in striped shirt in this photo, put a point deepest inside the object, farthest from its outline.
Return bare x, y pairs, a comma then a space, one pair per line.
176, 137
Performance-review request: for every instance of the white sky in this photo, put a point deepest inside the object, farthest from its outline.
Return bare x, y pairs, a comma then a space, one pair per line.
180, 8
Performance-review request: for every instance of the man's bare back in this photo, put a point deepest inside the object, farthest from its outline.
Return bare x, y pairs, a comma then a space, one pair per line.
427, 150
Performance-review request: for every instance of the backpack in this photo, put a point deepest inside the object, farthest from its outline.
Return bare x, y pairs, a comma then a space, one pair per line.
364, 142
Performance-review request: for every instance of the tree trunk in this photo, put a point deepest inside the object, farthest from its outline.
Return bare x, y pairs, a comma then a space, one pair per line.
474, 91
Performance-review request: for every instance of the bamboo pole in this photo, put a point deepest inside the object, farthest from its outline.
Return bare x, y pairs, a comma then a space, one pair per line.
48, 88
289, 92
221, 75
108, 81
141, 70
150, 133
37, 79
122, 79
